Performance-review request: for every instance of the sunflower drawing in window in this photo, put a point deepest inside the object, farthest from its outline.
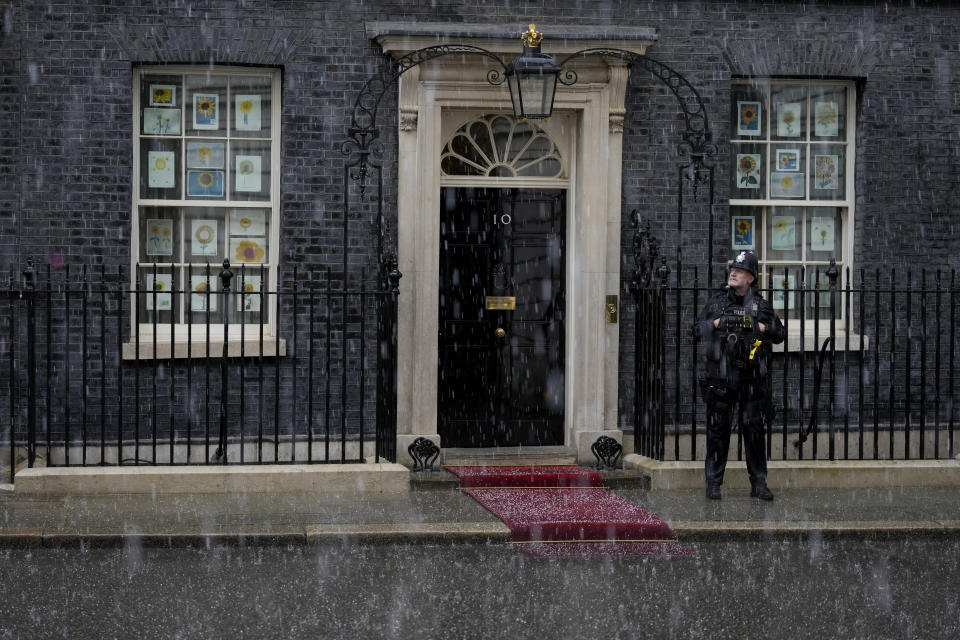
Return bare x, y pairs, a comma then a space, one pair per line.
250, 300
205, 184
743, 232
748, 170
201, 300
748, 120
206, 111
249, 250
787, 185
825, 172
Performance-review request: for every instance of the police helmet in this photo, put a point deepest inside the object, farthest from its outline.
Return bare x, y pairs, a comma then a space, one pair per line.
746, 260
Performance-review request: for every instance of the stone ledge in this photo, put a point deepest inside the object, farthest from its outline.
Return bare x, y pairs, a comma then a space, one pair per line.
410, 532
328, 478
808, 474
738, 530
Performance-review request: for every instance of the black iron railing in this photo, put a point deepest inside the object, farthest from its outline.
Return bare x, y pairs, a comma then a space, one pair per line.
868, 371
93, 372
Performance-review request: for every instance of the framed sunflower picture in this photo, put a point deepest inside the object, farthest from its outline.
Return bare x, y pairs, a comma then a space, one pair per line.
206, 111
748, 170
249, 294
201, 289
205, 184
248, 250
247, 112
749, 118
203, 237
205, 155
743, 232
161, 122
784, 291
826, 117
783, 236
156, 290
787, 185
163, 95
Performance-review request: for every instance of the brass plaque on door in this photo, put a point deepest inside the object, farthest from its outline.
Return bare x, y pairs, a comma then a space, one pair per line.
501, 303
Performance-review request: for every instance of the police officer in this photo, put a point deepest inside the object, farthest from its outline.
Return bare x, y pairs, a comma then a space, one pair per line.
737, 327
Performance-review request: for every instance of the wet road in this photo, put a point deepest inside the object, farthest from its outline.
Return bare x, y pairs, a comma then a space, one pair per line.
816, 588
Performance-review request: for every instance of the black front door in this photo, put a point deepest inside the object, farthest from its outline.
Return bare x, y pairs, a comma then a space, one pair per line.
501, 379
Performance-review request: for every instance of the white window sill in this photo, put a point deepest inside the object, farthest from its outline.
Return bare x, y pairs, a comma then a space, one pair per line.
813, 343
197, 348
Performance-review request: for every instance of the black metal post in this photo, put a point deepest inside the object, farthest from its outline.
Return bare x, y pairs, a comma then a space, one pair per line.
225, 277
28, 293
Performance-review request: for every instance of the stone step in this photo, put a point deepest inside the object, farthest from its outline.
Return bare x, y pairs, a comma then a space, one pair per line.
499, 456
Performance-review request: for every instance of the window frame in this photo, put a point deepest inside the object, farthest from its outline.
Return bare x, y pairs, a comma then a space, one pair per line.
178, 331
768, 205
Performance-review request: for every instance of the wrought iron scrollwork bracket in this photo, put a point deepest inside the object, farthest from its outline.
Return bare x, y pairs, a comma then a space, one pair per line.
608, 452
697, 139
424, 453
363, 132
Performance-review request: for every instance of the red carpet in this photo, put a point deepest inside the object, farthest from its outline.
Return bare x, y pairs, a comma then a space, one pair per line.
562, 512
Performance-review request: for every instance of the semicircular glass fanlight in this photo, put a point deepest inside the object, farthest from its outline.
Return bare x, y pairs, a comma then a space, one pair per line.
498, 146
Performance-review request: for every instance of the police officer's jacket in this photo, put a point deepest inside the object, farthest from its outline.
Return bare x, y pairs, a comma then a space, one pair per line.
730, 350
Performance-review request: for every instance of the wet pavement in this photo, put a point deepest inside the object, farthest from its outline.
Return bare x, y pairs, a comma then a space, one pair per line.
772, 588
443, 513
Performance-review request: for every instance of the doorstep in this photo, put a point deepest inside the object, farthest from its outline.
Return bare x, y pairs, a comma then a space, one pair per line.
291, 478
812, 474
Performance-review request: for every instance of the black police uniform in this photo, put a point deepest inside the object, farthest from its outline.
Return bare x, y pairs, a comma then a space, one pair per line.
735, 374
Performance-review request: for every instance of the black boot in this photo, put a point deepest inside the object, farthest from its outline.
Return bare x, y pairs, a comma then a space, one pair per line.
713, 492
760, 490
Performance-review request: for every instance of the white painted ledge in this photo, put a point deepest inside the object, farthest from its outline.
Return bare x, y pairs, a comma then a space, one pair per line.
326, 478
812, 474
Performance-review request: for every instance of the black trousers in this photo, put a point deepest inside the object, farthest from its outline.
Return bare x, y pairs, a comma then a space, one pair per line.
722, 400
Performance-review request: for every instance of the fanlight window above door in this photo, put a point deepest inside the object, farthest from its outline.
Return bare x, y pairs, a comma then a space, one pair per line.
498, 146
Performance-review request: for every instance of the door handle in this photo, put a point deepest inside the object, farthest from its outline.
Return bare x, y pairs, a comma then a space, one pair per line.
500, 333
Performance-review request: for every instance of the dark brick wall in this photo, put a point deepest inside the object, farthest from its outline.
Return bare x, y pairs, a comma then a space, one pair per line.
66, 82
65, 143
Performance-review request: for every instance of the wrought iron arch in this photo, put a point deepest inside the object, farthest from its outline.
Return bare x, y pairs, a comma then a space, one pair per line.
696, 145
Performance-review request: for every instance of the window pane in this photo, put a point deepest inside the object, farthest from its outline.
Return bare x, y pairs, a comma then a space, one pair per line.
829, 105
783, 233
824, 234
787, 184
249, 233
205, 184
159, 234
818, 296
828, 172
748, 117
249, 170
787, 166
788, 120
206, 304
744, 226
204, 238
161, 91
250, 299
782, 282
205, 107
250, 108
157, 298
749, 171
159, 169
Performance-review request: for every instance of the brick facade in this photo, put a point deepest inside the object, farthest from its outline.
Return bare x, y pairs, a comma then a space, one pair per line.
66, 140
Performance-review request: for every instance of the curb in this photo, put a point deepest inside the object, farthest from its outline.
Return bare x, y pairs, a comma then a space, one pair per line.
313, 534
458, 532
692, 530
